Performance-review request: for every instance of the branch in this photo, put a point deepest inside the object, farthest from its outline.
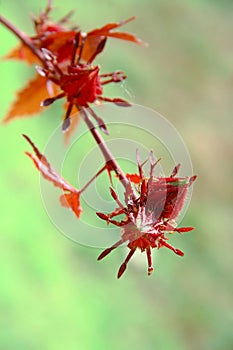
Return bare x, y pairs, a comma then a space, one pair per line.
22, 37
109, 158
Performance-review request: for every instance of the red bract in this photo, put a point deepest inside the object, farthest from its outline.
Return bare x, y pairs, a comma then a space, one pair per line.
150, 216
81, 85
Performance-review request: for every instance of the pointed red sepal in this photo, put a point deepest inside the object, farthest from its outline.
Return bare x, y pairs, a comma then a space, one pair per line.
163, 243
175, 170
105, 253
192, 179
183, 229
102, 216
120, 102
121, 270
178, 252
113, 194
124, 264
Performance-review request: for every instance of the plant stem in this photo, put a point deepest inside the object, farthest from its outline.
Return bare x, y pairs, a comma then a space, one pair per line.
23, 37
92, 179
109, 158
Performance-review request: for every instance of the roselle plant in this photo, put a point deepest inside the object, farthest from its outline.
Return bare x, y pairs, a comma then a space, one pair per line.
65, 60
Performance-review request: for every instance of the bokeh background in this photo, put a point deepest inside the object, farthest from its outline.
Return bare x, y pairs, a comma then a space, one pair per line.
53, 293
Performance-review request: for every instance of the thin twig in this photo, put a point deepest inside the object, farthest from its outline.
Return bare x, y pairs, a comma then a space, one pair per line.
109, 158
92, 179
22, 37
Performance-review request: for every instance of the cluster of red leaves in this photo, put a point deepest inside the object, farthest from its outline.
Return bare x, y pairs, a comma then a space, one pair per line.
65, 56
151, 215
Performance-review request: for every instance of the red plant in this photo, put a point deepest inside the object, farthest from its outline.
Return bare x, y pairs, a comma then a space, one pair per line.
151, 215
81, 84
64, 56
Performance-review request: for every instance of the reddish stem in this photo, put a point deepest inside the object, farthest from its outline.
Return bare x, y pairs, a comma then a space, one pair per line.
92, 179
23, 37
109, 158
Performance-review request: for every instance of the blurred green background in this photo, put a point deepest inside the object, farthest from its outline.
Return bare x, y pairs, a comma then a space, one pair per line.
53, 292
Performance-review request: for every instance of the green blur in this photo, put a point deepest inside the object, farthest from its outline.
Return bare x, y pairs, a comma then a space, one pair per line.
54, 295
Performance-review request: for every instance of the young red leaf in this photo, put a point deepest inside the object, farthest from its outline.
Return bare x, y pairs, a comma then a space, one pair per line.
96, 39
72, 200
135, 178
61, 44
22, 53
71, 197
106, 31
28, 101
92, 47
60, 41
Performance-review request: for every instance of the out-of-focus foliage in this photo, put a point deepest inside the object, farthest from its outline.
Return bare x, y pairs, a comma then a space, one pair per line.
53, 293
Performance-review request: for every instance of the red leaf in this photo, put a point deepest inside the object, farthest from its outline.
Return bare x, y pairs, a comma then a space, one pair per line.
135, 178
29, 99
22, 53
61, 44
106, 31
60, 41
93, 46
70, 199
96, 39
